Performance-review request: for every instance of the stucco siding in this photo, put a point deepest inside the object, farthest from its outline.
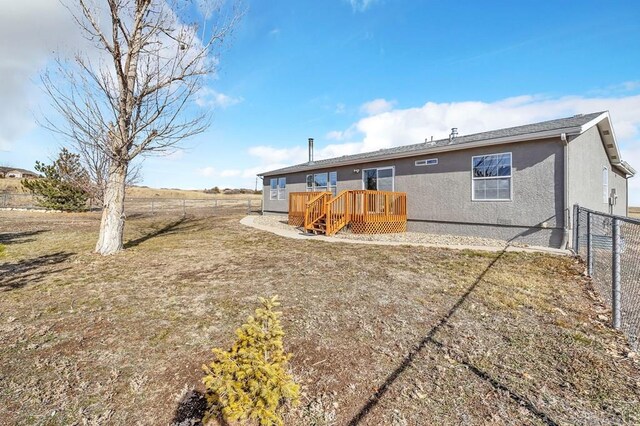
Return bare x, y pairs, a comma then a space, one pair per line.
439, 196
587, 159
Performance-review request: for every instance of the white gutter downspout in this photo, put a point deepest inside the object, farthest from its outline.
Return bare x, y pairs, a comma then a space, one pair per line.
566, 224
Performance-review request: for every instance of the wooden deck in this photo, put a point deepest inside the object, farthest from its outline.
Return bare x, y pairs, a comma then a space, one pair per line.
365, 212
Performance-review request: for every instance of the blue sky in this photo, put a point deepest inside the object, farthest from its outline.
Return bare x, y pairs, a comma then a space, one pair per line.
364, 75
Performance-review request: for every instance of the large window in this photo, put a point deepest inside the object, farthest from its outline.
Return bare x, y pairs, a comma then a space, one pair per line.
491, 177
320, 182
277, 188
380, 179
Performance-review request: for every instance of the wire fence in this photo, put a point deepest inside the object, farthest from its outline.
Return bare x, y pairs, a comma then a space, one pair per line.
610, 247
154, 206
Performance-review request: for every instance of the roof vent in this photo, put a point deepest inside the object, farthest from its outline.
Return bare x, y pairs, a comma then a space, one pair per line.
454, 134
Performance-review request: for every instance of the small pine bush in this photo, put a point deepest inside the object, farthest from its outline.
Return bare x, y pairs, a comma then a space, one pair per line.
250, 381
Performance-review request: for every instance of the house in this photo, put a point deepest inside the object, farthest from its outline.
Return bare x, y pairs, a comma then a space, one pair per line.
517, 184
10, 172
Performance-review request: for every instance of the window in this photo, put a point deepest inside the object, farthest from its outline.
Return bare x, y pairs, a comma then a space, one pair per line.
333, 182
491, 177
605, 185
277, 188
378, 179
282, 183
427, 162
320, 182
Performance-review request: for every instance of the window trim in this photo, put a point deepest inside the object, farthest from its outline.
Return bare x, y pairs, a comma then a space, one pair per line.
274, 194
473, 178
329, 186
377, 169
282, 189
426, 162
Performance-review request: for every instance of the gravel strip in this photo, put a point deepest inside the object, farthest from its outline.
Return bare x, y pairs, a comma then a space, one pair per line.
279, 222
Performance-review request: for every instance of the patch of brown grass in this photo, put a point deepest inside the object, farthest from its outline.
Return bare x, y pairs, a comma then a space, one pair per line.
414, 335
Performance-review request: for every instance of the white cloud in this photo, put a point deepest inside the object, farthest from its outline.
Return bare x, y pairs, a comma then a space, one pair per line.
377, 106
24, 51
206, 171
230, 173
414, 125
27, 51
207, 97
175, 155
361, 5
340, 108
274, 32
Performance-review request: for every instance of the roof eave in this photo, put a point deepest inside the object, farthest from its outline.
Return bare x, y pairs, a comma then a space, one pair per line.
434, 150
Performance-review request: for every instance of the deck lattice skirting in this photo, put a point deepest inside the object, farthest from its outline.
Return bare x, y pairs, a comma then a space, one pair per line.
364, 211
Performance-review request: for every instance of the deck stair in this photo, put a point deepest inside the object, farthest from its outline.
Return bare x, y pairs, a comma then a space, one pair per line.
364, 211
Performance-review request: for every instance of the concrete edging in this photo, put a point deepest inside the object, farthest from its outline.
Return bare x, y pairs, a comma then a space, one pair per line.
293, 234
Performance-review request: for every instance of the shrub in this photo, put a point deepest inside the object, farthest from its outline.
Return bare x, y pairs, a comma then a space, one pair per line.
62, 185
250, 381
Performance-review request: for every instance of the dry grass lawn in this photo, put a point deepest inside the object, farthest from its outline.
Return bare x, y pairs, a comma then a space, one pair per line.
634, 212
13, 186
380, 335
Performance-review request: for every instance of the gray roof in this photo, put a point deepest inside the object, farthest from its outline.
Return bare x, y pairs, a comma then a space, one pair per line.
404, 150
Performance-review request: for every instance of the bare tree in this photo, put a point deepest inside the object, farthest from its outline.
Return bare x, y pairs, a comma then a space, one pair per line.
133, 95
97, 165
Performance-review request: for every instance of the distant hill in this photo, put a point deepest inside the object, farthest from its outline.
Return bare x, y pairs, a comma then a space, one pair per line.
13, 186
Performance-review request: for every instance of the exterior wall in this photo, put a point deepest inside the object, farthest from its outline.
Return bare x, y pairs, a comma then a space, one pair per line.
14, 174
587, 157
439, 196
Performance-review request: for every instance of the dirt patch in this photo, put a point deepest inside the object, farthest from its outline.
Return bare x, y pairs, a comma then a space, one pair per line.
380, 335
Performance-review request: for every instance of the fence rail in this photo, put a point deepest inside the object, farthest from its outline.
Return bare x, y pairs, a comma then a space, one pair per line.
610, 248
149, 205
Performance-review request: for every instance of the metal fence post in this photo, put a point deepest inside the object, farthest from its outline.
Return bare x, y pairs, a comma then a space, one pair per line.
615, 288
589, 246
576, 228
249, 206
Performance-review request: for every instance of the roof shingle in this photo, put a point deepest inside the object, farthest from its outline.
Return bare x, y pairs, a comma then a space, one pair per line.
544, 126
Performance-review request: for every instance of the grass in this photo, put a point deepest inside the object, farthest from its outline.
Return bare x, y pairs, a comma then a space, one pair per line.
380, 335
634, 212
13, 186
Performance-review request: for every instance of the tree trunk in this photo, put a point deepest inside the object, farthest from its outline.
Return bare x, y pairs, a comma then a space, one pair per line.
112, 224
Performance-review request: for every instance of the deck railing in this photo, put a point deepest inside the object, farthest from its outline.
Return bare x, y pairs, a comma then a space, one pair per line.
379, 206
367, 212
338, 212
298, 206
316, 209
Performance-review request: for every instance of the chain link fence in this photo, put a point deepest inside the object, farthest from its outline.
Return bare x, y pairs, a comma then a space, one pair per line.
154, 206
610, 248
